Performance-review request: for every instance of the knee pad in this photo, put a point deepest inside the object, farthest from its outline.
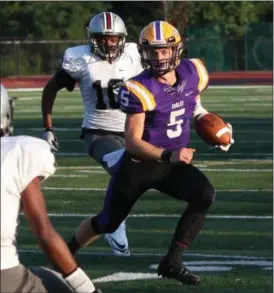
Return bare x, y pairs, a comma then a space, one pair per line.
102, 224
208, 193
205, 198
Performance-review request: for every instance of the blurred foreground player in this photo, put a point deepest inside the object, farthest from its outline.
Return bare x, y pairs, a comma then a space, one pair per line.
25, 162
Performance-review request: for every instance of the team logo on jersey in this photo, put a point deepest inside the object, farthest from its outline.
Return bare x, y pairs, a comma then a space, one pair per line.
179, 89
169, 90
181, 86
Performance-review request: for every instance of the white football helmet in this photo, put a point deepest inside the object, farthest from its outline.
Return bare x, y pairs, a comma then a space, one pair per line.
6, 113
103, 26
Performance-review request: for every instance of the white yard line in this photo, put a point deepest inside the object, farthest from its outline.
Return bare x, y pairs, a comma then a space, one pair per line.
235, 170
234, 122
151, 254
207, 164
77, 176
224, 262
104, 189
193, 141
254, 161
102, 171
225, 217
36, 89
79, 167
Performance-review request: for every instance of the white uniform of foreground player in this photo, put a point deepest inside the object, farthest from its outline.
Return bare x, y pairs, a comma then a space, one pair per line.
25, 161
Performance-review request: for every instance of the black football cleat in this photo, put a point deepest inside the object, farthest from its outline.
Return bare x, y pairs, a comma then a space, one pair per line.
177, 272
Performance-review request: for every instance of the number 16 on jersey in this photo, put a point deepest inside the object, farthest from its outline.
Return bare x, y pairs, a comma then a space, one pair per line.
111, 92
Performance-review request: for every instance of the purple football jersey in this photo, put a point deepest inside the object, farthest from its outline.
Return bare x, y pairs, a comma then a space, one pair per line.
168, 109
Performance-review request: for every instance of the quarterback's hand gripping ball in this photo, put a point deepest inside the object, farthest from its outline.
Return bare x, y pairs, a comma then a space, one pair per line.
212, 129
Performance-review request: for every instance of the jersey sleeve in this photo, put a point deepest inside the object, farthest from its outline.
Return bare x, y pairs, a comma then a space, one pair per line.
200, 71
129, 103
35, 160
64, 80
199, 109
73, 63
136, 65
135, 98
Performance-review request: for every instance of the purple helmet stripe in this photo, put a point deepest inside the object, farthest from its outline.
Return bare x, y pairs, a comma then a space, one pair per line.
158, 30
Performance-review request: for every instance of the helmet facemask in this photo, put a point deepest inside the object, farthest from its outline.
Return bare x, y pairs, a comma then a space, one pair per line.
110, 52
164, 65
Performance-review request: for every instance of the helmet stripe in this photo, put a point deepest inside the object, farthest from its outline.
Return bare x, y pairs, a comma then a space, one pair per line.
105, 21
108, 21
157, 27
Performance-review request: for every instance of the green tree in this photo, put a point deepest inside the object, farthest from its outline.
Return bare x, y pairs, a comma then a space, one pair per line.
209, 28
48, 20
230, 20
42, 20
137, 14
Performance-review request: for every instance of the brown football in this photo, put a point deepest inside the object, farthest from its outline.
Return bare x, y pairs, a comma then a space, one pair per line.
212, 129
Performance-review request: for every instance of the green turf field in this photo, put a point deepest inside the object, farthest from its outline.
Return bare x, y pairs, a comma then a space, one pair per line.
233, 253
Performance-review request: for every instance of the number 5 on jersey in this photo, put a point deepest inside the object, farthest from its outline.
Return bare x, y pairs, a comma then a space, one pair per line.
174, 120
124, 98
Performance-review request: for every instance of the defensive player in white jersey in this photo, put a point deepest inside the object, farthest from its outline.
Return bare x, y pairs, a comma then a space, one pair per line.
100, 68
25, 162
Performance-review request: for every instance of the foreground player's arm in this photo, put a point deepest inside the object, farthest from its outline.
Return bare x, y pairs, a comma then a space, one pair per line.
50, 241
36, 162
133, 138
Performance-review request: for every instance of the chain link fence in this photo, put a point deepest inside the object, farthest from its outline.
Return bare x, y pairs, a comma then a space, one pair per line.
253, 52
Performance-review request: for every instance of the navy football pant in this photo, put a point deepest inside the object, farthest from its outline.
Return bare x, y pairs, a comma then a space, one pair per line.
99, 143
181, 181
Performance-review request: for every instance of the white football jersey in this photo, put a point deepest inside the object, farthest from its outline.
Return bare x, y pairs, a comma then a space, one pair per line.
100, 82
23, 158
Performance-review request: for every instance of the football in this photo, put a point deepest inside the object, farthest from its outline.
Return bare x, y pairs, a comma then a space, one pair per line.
212, 129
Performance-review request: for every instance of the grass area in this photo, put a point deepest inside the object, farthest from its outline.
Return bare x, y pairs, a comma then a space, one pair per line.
232, 254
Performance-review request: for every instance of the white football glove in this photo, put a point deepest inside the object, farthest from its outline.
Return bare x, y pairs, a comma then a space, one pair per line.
227, 147
51, 138
80, 282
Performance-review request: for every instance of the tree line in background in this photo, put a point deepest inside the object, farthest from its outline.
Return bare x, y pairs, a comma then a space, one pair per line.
204, 20
67, 20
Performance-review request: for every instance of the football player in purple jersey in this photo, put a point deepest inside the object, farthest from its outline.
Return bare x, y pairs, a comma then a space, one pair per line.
159, 103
